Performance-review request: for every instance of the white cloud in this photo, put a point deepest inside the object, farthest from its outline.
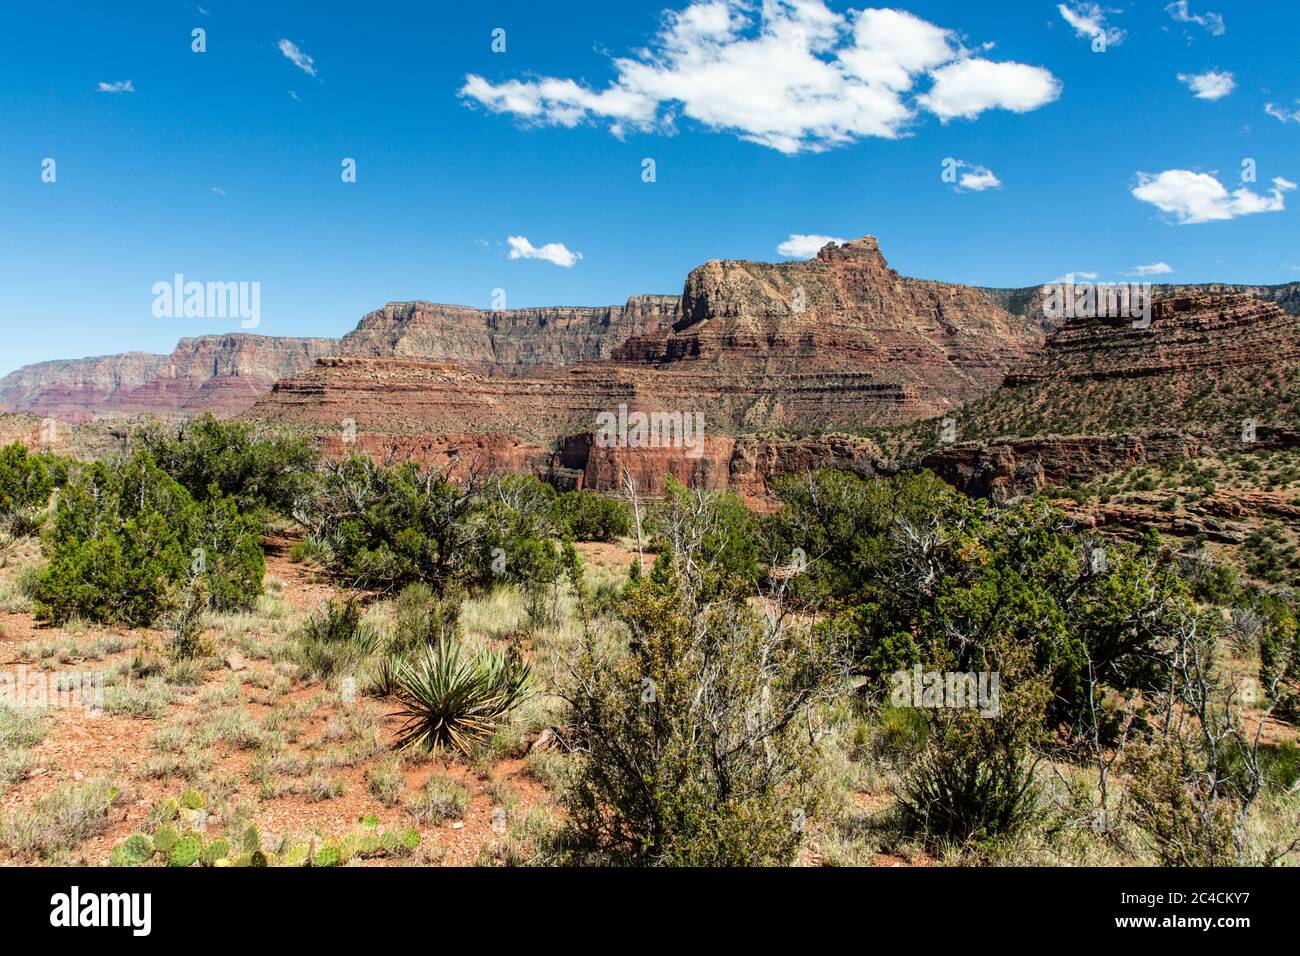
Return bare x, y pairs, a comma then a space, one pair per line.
1155, 269
969, 87
1089, 21
121, 86
800, 246
975, 178
1211, 21
1211, 85
1199, 197
521, 248
299, 59
1282, 113
791, 75
218, 190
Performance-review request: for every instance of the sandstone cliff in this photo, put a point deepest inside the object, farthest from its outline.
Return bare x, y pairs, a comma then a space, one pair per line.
508, 340
224, 374
1210, 373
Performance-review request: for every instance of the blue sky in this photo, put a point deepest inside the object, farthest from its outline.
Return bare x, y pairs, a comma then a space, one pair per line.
763, 121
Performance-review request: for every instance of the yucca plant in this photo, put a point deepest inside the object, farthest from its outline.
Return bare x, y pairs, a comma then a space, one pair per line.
453, 700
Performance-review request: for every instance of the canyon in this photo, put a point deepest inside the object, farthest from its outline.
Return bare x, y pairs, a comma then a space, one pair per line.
835, 361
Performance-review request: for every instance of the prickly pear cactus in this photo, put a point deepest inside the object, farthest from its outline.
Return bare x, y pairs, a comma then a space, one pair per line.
165, 838
252, 840
390, 840
218, 849
327, 856
368, 844
138, 849
192, 800
296, 855
410, 840
185, 852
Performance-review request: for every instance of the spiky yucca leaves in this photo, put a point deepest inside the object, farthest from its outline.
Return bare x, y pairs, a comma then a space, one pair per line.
452, 700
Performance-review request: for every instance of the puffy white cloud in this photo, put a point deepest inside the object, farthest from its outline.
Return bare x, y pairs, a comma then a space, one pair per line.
1199, 197
1089, 21
791, 75
120, 86
1211, 85
296, 56
974, 178
969, 87
1154, 269
800, 246
556, 252
1211, 21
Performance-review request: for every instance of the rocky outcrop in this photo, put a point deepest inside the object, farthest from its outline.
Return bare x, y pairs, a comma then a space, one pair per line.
1008, 467
746, 465
1216, 365
223, 374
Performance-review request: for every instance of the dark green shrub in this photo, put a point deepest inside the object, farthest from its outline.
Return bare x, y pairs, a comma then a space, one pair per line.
126, 535
239, 460
592, 516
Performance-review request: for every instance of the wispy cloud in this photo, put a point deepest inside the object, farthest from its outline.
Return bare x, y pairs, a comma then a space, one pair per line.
297, 57
1283, 113
218, 190
1199, 197
802, 246
121, 86
1213, 22
555, 252
1089, 21
791, 75
1211, 85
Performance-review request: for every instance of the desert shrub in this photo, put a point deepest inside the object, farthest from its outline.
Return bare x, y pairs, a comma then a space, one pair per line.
592, 516
386, 528
696, 745
26, 482
185, 640
335, 638
60, 821
708, 540
1279, 655
907, 565
125, 535
455, 700
442, 799
242, 461
1177, 809
423, 619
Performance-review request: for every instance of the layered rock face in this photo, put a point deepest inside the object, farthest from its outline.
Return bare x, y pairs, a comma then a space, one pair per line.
746, 465
223, 374
839, 342
505, 341
1010, 466
1210, 372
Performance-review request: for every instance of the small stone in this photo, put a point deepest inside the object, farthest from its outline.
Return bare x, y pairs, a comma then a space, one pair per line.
236, 661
